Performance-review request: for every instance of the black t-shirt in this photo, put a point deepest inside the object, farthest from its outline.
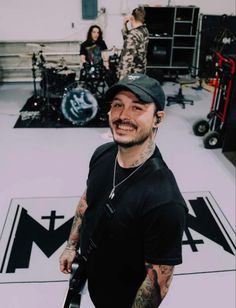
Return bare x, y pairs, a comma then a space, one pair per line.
147, 226
92, 51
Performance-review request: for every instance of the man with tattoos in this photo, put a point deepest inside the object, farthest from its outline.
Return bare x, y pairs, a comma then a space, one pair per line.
133, 265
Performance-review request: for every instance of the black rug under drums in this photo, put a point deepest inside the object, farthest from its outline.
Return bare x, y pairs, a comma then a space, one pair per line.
63, 102
47, 113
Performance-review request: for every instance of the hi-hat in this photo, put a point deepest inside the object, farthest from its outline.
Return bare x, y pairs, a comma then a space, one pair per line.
38, 45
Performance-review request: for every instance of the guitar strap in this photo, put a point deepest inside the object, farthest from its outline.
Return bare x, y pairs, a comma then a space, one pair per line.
109, 211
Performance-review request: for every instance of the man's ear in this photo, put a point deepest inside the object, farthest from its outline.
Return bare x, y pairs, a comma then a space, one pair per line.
159, 117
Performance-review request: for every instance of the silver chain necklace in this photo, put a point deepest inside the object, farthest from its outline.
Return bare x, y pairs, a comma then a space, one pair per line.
114, 185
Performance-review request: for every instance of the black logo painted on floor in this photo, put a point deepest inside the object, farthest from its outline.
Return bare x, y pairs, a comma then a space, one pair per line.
36, 230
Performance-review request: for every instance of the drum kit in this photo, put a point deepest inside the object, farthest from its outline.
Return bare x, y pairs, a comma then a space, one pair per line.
96, 76
62, 98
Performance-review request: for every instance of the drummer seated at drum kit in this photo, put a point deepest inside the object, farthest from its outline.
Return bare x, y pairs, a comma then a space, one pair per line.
91, 50
97, 62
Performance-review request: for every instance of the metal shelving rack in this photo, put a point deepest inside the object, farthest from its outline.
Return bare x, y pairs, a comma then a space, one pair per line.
172, 41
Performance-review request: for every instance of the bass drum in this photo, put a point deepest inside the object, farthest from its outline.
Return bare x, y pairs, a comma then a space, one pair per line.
79, 106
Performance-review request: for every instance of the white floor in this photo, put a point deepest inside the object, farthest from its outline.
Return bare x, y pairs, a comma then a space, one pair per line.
54, 162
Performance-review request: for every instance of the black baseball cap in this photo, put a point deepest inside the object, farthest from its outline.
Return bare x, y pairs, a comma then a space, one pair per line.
147, 89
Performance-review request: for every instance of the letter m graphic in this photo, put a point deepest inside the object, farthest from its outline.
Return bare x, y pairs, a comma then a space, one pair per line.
24, 231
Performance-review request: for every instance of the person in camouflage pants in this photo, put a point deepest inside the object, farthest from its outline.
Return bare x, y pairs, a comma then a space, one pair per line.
133, 58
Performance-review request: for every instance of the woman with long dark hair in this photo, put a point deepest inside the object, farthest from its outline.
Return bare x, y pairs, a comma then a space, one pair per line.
91, 49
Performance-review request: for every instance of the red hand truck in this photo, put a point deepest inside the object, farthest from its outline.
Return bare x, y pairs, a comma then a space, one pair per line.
213, 128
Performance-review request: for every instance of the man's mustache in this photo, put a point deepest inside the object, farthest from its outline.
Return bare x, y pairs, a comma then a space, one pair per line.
124, 122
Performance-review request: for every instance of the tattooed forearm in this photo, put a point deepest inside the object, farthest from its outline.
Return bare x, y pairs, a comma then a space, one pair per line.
165, 277
148, 295
74, 234
154, 287
82, 206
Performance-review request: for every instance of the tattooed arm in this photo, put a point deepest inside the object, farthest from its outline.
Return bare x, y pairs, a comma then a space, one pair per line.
69, 253
155, 286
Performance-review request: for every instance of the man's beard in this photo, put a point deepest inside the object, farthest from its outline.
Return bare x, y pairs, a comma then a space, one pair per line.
132, 143
136, 141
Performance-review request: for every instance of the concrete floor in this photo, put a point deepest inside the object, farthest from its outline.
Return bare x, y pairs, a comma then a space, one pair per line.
52, 164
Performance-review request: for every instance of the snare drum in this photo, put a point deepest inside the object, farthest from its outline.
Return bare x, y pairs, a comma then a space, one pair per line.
79, 106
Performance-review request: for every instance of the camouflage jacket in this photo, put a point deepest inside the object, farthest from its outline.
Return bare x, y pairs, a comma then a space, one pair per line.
133, 58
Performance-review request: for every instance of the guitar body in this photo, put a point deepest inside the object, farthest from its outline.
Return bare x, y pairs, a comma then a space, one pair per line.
77, 282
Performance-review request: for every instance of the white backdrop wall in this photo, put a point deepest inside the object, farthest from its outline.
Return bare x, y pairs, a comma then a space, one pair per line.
34, 20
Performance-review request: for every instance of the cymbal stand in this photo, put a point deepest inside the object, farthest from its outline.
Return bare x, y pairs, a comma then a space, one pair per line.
46, 108
34, 62
39, 64
49, 112
35, 99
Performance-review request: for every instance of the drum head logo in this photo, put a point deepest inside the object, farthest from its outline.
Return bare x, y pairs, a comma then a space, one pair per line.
79, 106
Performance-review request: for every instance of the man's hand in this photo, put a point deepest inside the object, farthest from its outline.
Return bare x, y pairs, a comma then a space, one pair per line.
66, 259
126, 19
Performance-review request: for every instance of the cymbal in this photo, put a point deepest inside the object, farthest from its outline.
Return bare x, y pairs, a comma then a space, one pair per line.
65, 72
38, 45
71, 63
50, 65
34, 45
53, 61
112, 49
26, 55
61, 63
